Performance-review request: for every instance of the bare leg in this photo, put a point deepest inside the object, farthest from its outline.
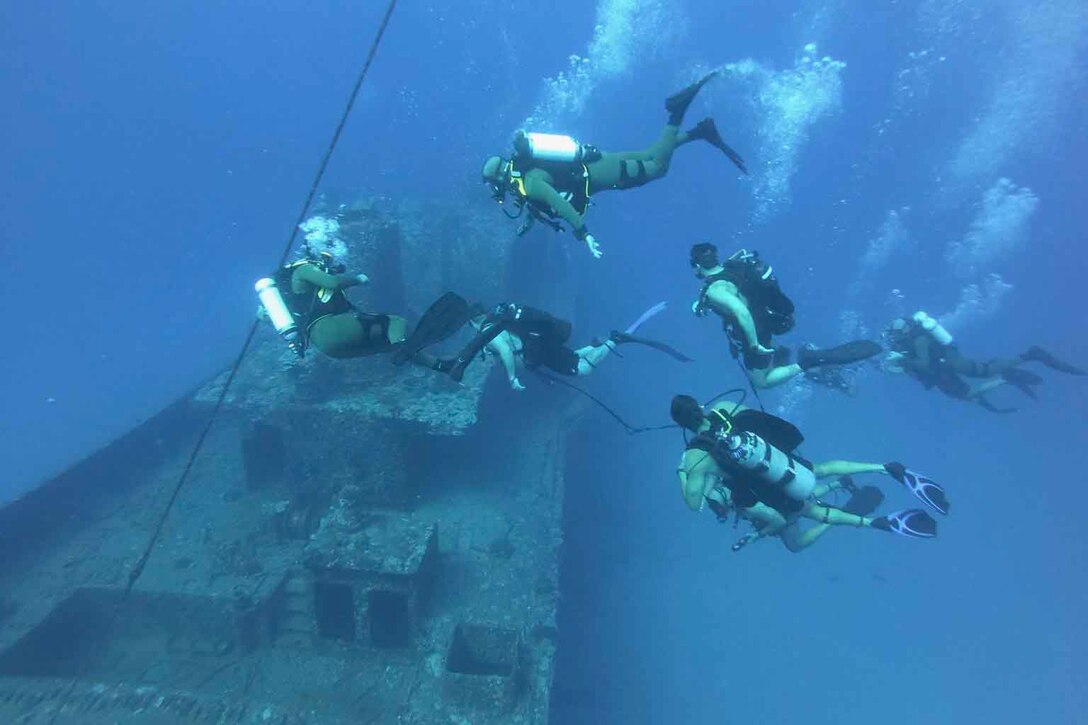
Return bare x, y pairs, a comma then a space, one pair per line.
771, 377
833, 516
797, 540
846, 468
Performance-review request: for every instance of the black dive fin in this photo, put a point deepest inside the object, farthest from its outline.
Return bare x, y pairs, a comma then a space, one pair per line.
677, 104
985, 404
850, 352
864, 501
1023, 380
448, 314
1040, 355
621, 338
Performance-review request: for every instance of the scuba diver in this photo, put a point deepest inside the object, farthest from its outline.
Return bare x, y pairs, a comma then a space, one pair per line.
553, 176
746, 461
306, 304
522, 335
921, 347
744, 292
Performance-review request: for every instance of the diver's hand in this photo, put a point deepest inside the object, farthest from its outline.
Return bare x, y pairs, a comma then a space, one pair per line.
516, 384
594, 248
744, 541
895, 363
362, 278
697, 308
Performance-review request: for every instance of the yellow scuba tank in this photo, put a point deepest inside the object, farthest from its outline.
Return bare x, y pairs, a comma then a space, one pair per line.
279, 314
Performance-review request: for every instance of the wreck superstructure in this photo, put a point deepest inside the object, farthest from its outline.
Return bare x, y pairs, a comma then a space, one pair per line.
356, 542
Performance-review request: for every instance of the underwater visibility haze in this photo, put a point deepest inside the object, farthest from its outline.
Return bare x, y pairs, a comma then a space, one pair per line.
885, 158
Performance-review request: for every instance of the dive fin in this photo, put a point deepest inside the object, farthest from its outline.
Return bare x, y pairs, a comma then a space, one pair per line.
645, 316
863, 501
1040, 355
925, 489
677, 104
985, 404
844, 354
707, 130
448, 314
914, 523
622, 338
1023, 380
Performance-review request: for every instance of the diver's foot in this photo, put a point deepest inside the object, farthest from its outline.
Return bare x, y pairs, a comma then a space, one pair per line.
707, 130
845, 354
1039, 355
620, 338
677, 104
914, 523
846, 483
456, 368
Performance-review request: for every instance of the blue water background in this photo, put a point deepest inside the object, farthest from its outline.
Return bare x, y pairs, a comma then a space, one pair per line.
156, 155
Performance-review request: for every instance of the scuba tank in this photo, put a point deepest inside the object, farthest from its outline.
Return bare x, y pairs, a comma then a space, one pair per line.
935, 329
774, 467
532, 146
278, 313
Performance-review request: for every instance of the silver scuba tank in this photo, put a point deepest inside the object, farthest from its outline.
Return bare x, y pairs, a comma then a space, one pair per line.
773, 466
278, 313
547, 147
935, 329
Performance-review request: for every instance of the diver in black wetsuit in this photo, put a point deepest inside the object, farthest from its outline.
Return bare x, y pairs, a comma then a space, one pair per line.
922, 348
523, 335
743, 291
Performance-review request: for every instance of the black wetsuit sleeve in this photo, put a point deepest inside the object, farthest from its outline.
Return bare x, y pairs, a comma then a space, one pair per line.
540, 191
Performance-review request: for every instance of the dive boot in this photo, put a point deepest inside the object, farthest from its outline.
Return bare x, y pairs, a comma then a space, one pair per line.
707, 130
677, 104
1039, 355
845, 354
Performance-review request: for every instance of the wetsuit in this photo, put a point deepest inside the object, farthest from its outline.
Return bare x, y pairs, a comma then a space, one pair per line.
940, 366
543, 337
563, 190
331, 322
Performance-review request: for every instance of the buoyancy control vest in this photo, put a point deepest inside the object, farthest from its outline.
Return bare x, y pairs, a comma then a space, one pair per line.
529, 323
779, 478
564, 159
770, 307
310, 306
